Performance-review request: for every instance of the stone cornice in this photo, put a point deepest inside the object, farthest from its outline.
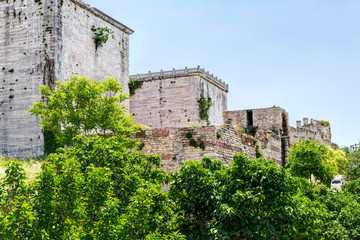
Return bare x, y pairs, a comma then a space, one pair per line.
182, 73
103, 16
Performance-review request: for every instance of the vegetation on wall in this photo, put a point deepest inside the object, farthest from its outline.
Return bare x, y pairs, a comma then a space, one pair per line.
192, 142
325, 123
204, 107
218, 134
251, 130
101, 35
133, 85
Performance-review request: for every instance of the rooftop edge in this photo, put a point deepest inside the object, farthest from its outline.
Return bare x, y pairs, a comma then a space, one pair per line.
104, 16
182, 73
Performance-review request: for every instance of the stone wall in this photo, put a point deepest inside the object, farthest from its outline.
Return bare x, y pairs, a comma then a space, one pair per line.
263, 118
318, 130
77, 53
169, 99
174, 144
270, 122
45, 41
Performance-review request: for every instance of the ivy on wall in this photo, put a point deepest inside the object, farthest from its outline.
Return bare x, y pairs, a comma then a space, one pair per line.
204, 107
133, 85
101, 35
194, 143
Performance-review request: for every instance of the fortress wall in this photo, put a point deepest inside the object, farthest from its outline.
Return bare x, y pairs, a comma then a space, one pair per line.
26, 45
268, 118
174, 145
264, 118
218, 101
77, 54
270, 145
170, 99
315, 130
167, 102
41, 42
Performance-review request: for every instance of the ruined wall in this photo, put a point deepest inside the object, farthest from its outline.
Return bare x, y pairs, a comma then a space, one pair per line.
318, 130
175, 147
264, 118
41, 42
272, 122
169, 99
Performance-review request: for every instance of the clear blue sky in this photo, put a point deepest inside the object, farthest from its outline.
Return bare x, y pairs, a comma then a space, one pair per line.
303, 56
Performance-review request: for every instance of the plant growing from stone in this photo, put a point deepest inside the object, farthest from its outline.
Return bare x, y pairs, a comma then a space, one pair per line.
204, 108
133, 85
101, 35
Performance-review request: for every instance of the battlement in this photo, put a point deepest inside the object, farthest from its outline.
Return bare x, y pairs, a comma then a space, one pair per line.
182, 73
318, 130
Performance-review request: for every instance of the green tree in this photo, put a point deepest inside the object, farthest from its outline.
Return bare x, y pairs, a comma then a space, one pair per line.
84, 107
353, 165
308, 159
194, 189
98, 189
337, 159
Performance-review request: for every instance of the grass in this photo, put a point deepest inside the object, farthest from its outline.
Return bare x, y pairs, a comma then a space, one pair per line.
32, 167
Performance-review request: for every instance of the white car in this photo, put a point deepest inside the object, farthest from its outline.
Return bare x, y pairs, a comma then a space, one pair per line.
337, 183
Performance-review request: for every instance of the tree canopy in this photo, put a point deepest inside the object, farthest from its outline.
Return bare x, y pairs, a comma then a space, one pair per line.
102, 187
80, 106
308, 159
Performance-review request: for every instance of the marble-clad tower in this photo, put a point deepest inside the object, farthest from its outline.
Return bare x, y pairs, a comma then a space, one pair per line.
42, 42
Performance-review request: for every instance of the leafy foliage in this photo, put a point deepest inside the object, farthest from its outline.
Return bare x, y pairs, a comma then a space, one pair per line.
325, 123
337, 159
307, 159
204, 107
80, 106
101, 35
258, 200
103, 188
133, 85
353, 165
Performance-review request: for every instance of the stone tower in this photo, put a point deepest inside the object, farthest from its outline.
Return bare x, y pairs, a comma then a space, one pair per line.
170, 98
42, 42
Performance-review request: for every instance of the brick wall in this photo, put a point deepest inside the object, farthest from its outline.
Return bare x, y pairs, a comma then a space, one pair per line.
174, 144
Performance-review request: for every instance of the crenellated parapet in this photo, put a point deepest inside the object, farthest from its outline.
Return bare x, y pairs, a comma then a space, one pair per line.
318, 130
172, 98
176, 73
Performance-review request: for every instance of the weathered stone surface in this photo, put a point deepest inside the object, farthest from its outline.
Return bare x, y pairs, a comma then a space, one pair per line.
45, 41
263, 118
169, 99
220, 143
315, 130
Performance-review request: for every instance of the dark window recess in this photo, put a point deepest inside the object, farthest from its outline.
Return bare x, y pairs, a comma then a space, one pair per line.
249, 118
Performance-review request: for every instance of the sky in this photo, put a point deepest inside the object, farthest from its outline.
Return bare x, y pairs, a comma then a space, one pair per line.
303, 56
